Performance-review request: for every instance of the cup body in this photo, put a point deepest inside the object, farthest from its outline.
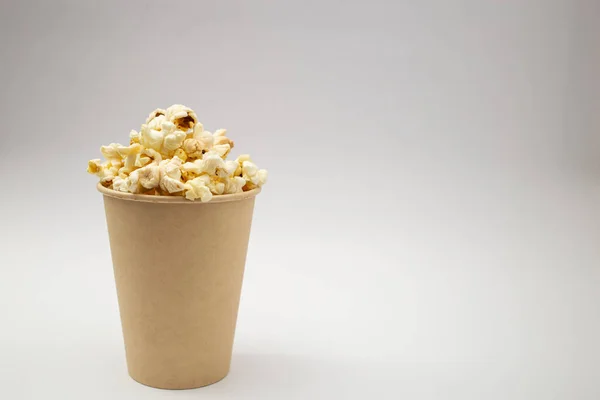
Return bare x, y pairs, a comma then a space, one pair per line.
178, 269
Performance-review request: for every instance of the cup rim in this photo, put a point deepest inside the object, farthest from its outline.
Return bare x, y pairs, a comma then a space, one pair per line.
148, 198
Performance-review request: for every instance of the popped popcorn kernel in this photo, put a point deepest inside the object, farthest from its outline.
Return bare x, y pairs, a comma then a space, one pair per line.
262, 177
181, 154
173, 141
188, 175
216, 185
94, 166
134, 137
220, 138
228, 169
234, 185
149, 176
151, 138
205, 139
197, 189
183, 117
119, 184
193, 148
110, 152
172, 155
154, 114
153, 154
170, 175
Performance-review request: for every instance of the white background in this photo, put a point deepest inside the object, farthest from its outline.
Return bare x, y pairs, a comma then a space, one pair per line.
431, 225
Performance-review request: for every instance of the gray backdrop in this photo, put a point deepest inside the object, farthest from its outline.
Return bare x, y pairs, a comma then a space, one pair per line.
430, 229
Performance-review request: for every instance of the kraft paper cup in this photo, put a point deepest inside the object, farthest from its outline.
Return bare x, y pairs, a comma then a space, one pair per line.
178, 268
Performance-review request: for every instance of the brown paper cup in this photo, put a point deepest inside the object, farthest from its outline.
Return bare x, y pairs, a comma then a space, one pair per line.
178, 268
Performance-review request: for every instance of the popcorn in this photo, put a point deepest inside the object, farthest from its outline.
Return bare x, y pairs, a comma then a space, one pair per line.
141, 160
156, 122
94, 166
106, 172
204, 138
153, 154
116, 163
151, 138
174, 140
110, 152
149, 176
181, 154
187, 175
171, 185
133, 182
242, 158
253, 175
211, 162
221, 149
170, 175
220, 138
123, 172
120, 184
228, 169
234, 185
262, 177
128, 184
130, 154
249, 169
173, 155
196, 167
198, 128
216, 186
124, 151
197, 189
154, 114
167, 127
183, 117
134, 137
193, 148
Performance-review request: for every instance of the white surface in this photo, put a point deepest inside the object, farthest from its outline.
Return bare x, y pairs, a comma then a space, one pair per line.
456, 258
495, 305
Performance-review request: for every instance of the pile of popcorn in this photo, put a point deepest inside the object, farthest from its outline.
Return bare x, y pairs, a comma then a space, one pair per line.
173, 155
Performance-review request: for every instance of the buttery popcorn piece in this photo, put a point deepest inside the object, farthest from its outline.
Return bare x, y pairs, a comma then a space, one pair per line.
154, 114
205, 138
170, 175
183, 117
94, 166
228, 169
193, 148
149, 176
262, 176
216, 186
110, 152
151, 138
155, 155
252, 174
221, 149
174, 140
220, 138
234, 185
210, 162
197, 189
133, 182
195, 167
134, 137
181, 154
119, 184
